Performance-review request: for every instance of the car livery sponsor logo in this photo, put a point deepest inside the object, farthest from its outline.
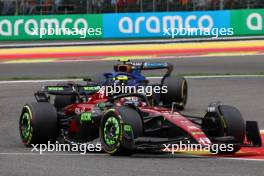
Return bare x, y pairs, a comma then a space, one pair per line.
91, 88
86, 117
55, 88
155, 65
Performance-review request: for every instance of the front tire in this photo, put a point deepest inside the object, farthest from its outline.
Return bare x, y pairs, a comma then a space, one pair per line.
226, 121
119, 127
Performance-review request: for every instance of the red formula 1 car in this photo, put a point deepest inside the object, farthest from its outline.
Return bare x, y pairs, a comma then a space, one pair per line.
127, 123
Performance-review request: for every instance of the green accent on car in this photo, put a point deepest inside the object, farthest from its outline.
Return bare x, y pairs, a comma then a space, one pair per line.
55, 88
111, 131
91, 88
127, 128
123, 59
121, 78
101, 105
86, 117
25, 125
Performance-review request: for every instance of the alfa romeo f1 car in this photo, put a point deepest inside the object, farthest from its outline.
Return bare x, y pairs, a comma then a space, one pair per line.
125, 126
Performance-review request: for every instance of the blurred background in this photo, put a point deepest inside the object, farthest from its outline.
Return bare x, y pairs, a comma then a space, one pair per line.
44, 7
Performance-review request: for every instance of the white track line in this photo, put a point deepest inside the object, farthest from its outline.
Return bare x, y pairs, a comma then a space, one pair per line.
104, 154
188, 77
38, 81
242, 159
224, 76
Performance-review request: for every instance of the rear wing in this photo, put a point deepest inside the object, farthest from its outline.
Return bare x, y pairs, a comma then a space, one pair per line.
129, 66
148, 65
158, 65
75, 89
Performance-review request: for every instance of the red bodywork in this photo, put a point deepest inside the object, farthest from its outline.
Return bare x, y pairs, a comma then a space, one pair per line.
176, 118
179, 120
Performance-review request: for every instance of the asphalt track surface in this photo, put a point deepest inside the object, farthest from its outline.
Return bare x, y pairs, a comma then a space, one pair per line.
245, 93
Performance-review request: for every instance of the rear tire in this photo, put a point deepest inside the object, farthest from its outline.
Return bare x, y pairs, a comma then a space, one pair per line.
38, 123
126, 122
177, 92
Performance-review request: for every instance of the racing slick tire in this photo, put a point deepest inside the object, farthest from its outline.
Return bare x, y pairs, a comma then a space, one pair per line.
38, 123
177, 92
229, 122
119, 127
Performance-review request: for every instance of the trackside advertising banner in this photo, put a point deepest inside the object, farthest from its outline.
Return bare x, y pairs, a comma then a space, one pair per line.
140, 25
51, 27
247, 22
133, 25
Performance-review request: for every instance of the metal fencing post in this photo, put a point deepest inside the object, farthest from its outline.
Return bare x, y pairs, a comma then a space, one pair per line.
154, 5
141, 5
16, 13
116, 8
23, 8
221, 4
87, 6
